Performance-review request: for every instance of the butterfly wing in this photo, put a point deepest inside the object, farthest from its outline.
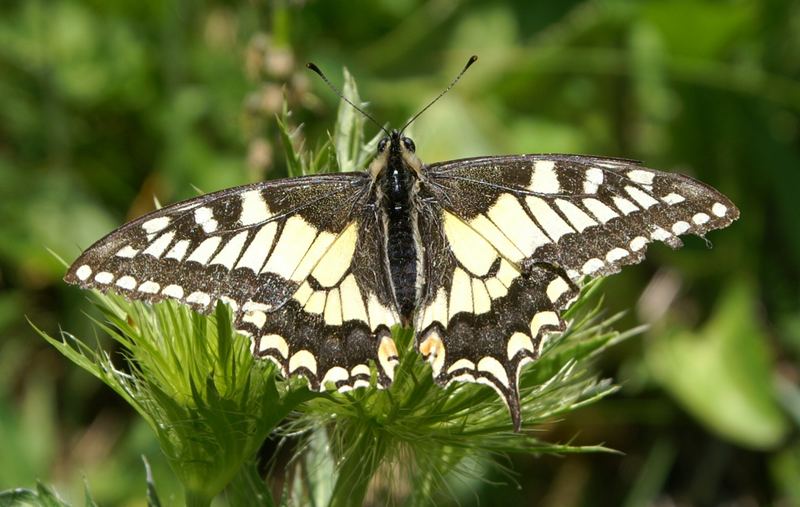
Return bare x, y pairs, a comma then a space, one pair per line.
508, 238
284, 255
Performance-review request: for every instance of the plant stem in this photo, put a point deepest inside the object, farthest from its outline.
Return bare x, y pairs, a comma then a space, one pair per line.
356, 469
196, 499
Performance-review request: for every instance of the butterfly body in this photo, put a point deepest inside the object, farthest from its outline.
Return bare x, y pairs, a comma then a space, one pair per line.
396, 176
479, 255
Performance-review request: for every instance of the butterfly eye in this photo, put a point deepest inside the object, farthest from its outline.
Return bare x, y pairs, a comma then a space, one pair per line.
382, 144
409, 144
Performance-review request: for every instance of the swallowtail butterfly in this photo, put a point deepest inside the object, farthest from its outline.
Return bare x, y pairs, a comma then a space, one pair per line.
479, 255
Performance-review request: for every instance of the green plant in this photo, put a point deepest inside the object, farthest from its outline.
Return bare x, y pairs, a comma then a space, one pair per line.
211, 404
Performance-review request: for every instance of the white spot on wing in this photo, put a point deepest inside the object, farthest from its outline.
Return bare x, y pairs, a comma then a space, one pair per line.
255, 317
461, 364
641, 177
673, 198
379, 314
210, 226
599, 210
83, 272
470, 248
313, 255
548, 218
334, 375
174, 291
719, 209
104, 277
436, 311
594, 178
460, 293
700, 218
592, 265
230, 252
644, 199
509, 216
127, 282
199, 297
203, 215
178, 250
595, 175
616, 254
292, 244
517, 342
556, 288
274, 341
493, 367
256, 252
352, 301
660, 234
638, 243
149, 287
506, 273
576, 216
624, 205
360, 369
127, 252
155, 224
254, 208
481, 301
497, 238
255, 305
680, 227
541, 319
333, 308
337, 260
315, 303
544, 179
158, 246
206, 249
303, 359
387, 356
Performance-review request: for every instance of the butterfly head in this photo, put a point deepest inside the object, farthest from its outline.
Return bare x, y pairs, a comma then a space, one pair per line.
396, 142
395, 151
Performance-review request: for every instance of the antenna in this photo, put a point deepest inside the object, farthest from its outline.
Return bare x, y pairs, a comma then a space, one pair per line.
472, 59
316, 69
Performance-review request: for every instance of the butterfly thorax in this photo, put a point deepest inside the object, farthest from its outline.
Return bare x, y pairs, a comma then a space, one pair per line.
396, 170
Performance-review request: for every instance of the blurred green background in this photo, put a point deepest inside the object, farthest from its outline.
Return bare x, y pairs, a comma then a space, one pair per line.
104, 105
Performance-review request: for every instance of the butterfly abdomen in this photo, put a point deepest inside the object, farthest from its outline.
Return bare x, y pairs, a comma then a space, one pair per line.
401, 249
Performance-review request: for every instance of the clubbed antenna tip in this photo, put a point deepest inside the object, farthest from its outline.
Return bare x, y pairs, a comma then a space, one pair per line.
313, 67
472, 59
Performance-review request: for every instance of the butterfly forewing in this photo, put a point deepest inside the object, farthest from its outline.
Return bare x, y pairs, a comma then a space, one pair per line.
282, 254
588, 215
508, 237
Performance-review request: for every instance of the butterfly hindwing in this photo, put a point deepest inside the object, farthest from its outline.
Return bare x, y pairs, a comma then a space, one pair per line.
508, 237
481, 318
280, 254
339, 318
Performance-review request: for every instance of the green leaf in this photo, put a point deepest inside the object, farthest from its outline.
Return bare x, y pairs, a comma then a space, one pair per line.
352, 154
152, 494
17, 497
722, 373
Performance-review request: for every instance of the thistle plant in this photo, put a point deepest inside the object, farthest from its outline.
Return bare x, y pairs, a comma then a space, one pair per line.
211, 404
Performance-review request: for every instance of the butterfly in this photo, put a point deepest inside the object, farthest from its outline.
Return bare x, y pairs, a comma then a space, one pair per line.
480, 255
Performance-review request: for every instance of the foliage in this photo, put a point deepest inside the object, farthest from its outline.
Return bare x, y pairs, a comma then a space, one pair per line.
211, 403
105, 104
